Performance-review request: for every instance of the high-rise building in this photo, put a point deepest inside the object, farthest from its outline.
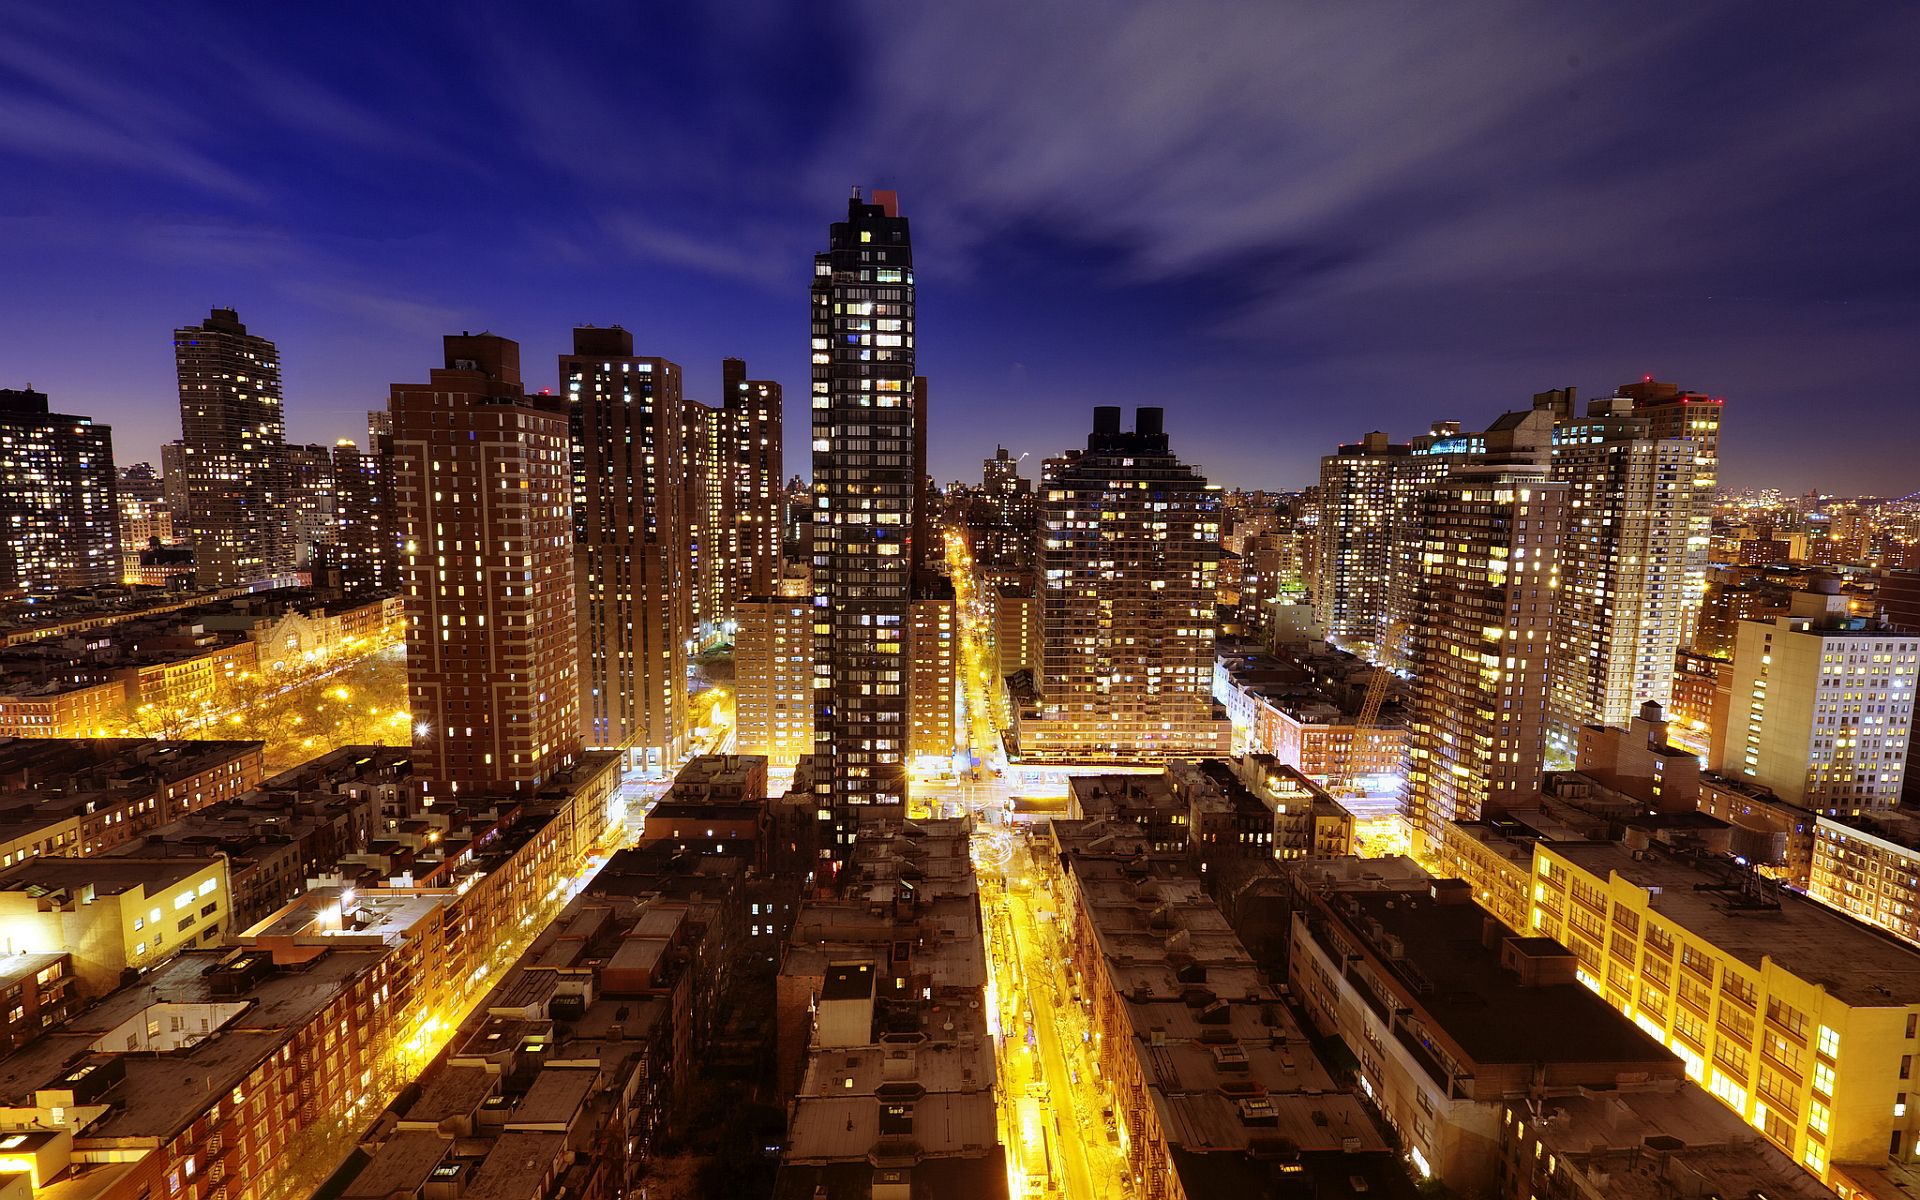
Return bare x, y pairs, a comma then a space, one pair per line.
57, 498
366, 546
865, 481
173, 482
481, 480
234, 456
773, 677
311, 506
1480, 643
706, 508
1002, 516
933, 718
140, 481
1675, 412
1820, 707
1130, 541
753, 409
1623, 567
1361, 503
631, 550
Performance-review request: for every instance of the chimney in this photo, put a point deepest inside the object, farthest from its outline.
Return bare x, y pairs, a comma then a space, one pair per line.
1106, 420
1149, 422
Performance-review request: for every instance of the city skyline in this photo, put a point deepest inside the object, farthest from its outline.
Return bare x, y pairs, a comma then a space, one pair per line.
1408, 755
1341, 283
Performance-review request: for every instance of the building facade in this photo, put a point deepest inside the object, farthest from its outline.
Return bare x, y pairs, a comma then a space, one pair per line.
482, 488
866, 431
1821, 706
1623, 567
57, 498
1130, 542
234, 454
1480, 645
631, 552
1675, 412
366, 546
773, 677
758, 496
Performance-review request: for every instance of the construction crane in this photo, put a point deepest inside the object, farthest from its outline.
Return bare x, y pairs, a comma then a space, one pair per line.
1376, 698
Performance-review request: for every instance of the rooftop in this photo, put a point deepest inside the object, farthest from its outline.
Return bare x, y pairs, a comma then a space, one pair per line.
1438, 957
1856, 963
148, 1103
104, 876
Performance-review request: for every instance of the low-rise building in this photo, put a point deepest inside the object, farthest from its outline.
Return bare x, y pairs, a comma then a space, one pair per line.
157, 670
718, 804
82, 797
1654, 1141
461, 906
1640, 761
562, 1079
1215, 1090
214, 1072
882, 1047
113, 915
1303, 708
1869, 867
36, 992
311, 822
1453, 1016
1800, 1019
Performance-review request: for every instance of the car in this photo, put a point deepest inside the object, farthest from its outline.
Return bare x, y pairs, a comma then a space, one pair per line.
1358, 1185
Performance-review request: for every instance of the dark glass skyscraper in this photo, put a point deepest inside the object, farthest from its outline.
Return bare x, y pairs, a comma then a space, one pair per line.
865, 418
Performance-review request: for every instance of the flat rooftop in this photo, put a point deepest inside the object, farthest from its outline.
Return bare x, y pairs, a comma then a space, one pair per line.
557, 1094
1859, 965
825, 1128
401, 1165
108, 876
1483, 1007
148, 1102
16, 967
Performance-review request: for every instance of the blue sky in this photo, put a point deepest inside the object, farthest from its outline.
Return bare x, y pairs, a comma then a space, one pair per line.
1287, 224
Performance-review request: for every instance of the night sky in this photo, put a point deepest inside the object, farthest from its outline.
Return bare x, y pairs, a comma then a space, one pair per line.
1287, 225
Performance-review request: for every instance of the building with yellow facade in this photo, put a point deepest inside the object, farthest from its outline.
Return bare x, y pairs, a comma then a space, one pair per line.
1803, 1021
113, 914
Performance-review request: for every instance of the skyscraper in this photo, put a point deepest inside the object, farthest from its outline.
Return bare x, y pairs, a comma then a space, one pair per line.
632, 562
234, 455
366, 546
706, 507
1674, 412
753, 409
1623, 567
56, 498
311, 506
1480, 642
1129, 544
865, 418
481, 482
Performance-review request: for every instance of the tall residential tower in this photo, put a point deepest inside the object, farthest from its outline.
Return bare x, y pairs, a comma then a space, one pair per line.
865, 481
234, 454
632, 563
481, 480
56, 498
1129, 546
